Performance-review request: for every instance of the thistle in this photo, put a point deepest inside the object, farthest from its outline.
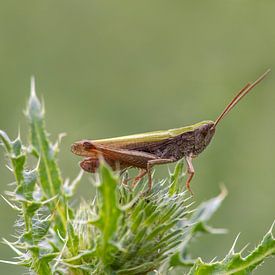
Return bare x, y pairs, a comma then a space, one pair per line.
118, 231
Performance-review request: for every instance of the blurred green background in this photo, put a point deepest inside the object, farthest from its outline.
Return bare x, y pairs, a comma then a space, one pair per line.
110, 68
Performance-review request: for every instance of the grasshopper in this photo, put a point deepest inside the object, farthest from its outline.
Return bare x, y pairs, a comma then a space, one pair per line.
145, 150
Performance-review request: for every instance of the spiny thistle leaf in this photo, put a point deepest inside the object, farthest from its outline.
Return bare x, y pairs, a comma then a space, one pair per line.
15, 154
137, 238
235, 263
197, 224
109, 213
49, 173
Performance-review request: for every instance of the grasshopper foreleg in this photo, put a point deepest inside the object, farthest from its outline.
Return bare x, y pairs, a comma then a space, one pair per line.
190, 171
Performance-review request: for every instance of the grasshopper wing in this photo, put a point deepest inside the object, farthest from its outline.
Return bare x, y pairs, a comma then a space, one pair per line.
121, 156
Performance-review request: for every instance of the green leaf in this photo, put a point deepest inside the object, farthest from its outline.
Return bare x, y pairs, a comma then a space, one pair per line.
48, 170
205, 210
6, 141
49, 173
41, 266
72, 239
26, 189
109, 213
235, 263
40, 225
15, 154
176, 178
196, 225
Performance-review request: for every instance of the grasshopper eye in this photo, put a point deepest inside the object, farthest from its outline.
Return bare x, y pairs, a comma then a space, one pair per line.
88, 145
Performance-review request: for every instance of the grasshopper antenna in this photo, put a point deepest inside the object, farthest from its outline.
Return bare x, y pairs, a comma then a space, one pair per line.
244, 91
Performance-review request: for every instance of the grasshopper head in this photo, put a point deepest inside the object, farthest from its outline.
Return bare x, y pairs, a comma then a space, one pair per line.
83, 148
203, 135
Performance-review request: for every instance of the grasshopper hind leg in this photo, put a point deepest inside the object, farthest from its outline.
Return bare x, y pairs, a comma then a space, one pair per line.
150, 165
135, 179
138, 178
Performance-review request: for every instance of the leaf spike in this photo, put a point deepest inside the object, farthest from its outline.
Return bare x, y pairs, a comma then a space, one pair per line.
271, 228
10, 204
58, 260
231, 251
66, 183
213, 260
11, 262
9, 168
17, 251
60, 236
74, 184
34, 109
49, 200
244, 248
224, 191
13, 183
33, 94
37, 164
58, 141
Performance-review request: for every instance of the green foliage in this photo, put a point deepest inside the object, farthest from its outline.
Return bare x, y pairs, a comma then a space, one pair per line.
49, 173
234, 263
121, 231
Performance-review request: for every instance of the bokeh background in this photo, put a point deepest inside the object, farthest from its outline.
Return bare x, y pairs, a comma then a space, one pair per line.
110, 68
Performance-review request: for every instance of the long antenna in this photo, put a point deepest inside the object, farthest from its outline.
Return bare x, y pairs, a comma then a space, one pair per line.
244, 91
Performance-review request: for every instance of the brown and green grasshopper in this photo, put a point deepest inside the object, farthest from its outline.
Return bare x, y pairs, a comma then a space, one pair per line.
145, 150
